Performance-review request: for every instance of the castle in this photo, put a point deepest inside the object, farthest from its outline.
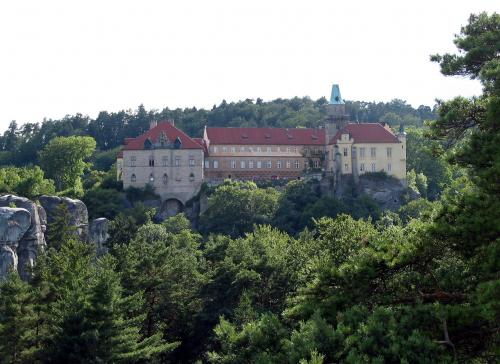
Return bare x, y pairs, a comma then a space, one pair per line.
176, 165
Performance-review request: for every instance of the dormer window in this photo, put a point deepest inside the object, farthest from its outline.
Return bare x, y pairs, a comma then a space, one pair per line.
345, 137
148, 144
162, 140
268, 136
244, 136
177, 143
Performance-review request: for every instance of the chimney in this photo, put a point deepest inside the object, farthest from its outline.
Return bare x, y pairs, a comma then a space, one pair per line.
152, 124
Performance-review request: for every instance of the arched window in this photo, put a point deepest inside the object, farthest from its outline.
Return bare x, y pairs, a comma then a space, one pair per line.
151, 161
133, 178
165, 179
151, 178
191, 177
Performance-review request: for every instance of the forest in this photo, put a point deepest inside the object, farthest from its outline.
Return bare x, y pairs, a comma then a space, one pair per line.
270, 274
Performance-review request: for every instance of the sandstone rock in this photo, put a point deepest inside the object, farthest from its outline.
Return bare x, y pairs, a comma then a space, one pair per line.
389, 192
14, 223
8, 260
99, 234
78, 214
33, 240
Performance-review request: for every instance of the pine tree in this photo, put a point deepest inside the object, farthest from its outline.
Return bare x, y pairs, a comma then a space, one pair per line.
116, 321
17, 321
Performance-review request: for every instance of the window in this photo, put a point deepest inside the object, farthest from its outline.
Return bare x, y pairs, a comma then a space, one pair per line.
164, 161
269, 164
216, 164
374, 168
191, 162
224, 149
389, 152
294, 150
191, 177
151, 178
278, 164
242, 164
250, 164
207, 164
132, 161
165, 179
249, 149
268, 149
361, 152
296, 164
373, 152
345, 152
151, 161
316, 163
242, 149
133, 178
288, 149
177, 161
233, 149
259, 164
288, 164
362, 167
214, 149
233, 164
389, 167
259, 149
346, 167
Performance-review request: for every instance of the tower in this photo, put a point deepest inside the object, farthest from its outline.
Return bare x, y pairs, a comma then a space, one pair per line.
336, 117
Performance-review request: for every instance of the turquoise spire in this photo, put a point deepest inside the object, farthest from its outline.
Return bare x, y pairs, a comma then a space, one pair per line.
336, 98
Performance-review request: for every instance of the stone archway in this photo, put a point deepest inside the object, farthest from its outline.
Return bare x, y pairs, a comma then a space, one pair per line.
170, 207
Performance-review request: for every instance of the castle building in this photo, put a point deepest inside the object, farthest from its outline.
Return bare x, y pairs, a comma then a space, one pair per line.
262, 153
176, 165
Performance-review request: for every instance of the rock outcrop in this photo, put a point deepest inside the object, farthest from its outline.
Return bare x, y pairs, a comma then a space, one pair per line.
388, 192
77, 213
14, 223
99, 234
31, 241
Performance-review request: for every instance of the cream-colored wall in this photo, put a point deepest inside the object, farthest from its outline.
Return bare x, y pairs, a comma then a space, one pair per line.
381, 160
179, 184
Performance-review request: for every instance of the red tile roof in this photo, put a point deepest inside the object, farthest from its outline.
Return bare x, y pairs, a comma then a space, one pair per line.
266, 136
153, 134
367, 133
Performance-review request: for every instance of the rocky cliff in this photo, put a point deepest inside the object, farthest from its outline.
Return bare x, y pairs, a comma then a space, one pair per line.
23, 226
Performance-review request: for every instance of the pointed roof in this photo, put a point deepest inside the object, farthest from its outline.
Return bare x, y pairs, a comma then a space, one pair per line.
367, 133
163, 128
266, 136
336, 97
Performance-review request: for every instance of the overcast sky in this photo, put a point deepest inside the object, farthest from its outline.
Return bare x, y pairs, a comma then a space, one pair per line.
67, 57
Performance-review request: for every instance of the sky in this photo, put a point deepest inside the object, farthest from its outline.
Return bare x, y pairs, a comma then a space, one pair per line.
67, 57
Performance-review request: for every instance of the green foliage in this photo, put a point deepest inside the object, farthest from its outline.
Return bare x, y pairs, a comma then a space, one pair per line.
27, 182
423, 158
102, 202
17, 321
235, 207
63, 160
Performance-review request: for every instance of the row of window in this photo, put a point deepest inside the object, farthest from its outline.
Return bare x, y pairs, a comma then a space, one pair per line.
373, 152
373, 167
215, 149
133, 178
261, 164
177, 161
